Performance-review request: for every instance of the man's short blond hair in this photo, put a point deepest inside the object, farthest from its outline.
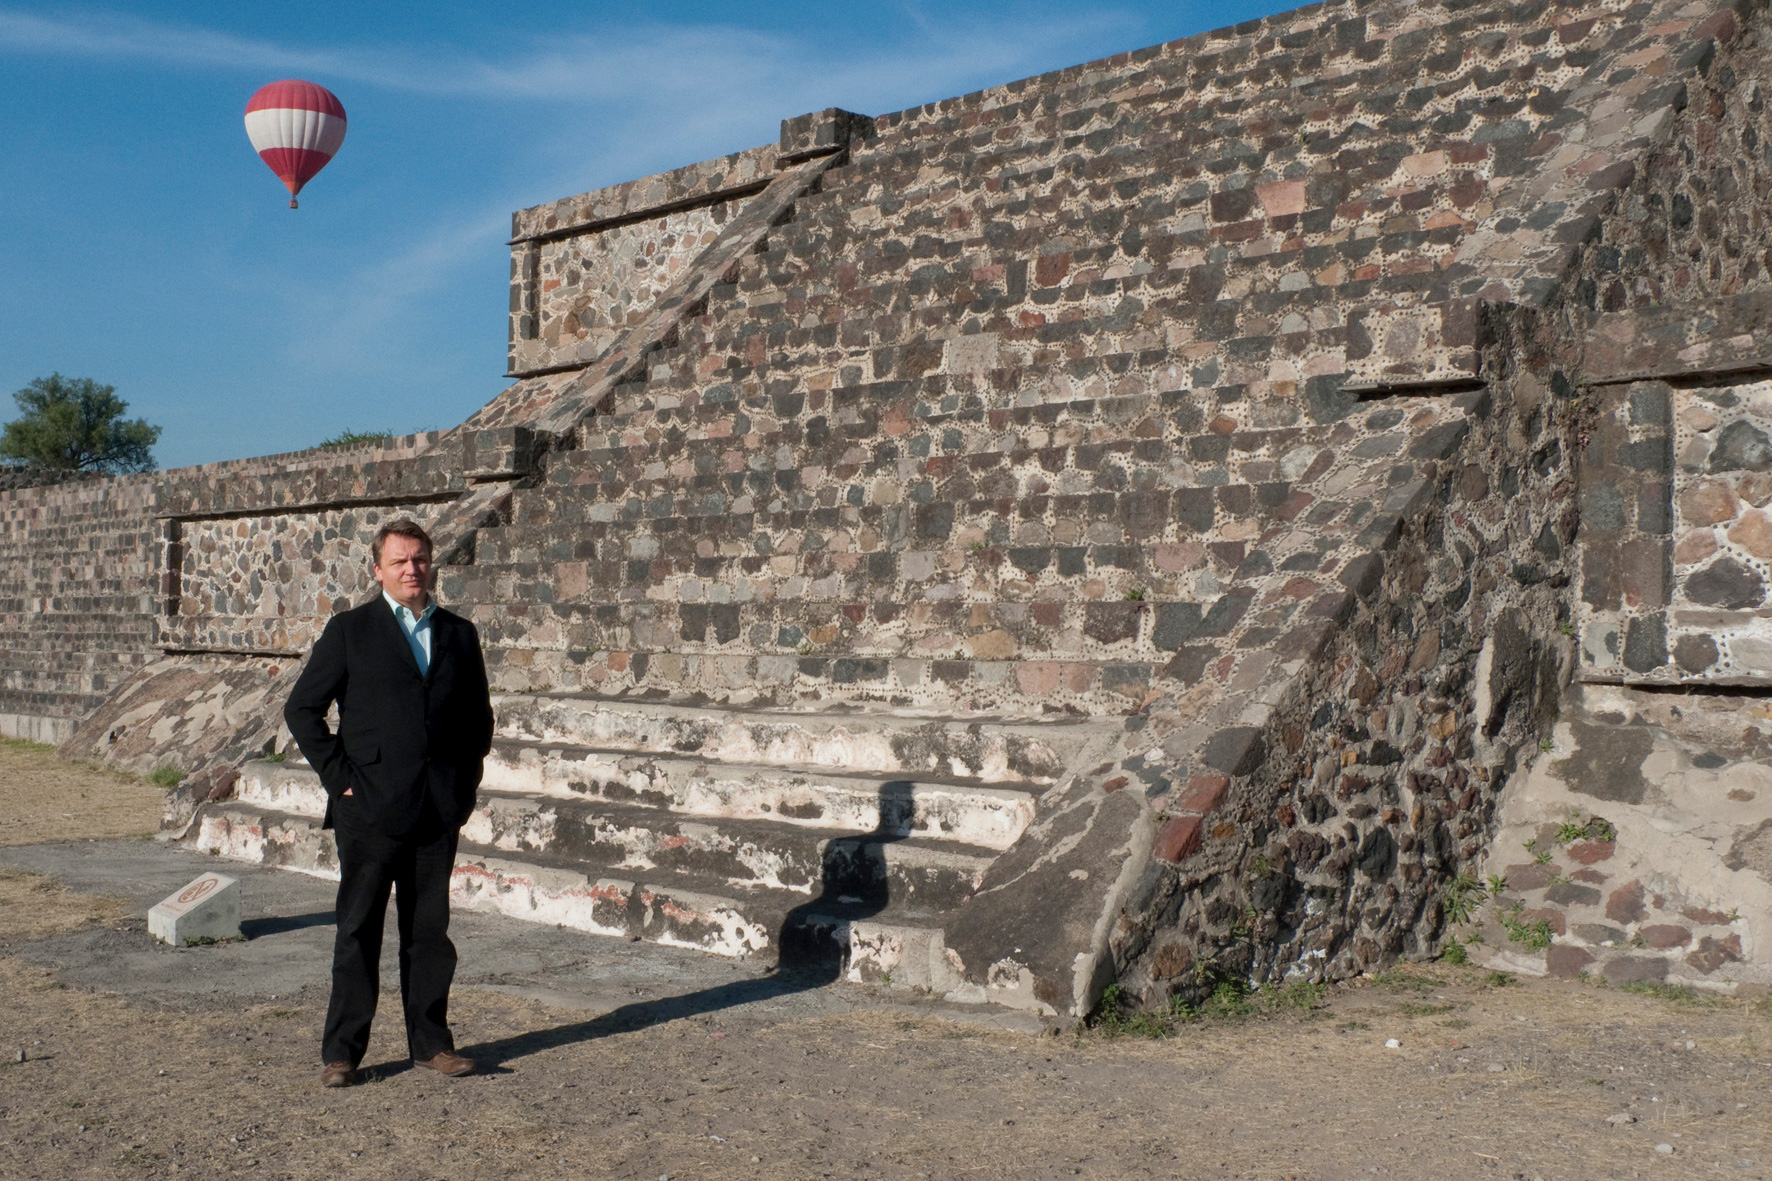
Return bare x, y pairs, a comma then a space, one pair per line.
400, 527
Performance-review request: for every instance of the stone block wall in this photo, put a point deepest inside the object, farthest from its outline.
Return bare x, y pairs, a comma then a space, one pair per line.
30, 476
1718, 616
586, 267
1695, 223
260, 553
1678, 445
78, 566
1639, 847
593, 285
288, 570
919, 380
1318, 844
1246, 394
1626, 530
100, 578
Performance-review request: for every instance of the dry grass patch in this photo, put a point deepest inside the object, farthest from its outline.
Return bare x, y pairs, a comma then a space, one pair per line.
35, 907
45, 798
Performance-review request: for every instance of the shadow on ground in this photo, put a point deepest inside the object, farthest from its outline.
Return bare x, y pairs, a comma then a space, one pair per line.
854, 886
278, 925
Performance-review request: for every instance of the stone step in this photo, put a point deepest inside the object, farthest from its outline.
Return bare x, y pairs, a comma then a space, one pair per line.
970, 813
59, 694
969, 569
623, 493
927, 587
694, 384
899, 945
1191, 83
734, 856
626, 839
654, 422
899, 940
289, 786
1149, 630
991, 750
1027, 689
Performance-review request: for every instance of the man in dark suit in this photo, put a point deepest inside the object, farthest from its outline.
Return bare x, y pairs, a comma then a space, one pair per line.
414, 725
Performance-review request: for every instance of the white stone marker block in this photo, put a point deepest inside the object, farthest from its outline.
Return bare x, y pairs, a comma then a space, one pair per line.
208, 908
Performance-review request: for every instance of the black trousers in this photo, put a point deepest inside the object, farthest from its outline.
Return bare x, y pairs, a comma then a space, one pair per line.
416, 868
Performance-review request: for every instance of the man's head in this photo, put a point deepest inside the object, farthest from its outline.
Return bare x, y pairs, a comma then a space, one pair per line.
401, 557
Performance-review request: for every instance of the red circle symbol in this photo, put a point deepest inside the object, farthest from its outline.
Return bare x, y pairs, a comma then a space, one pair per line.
198, 889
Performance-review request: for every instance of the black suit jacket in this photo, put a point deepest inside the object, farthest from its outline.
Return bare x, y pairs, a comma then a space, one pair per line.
402, 738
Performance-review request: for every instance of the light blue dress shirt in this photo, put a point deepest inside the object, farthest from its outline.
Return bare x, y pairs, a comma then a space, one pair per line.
417, 629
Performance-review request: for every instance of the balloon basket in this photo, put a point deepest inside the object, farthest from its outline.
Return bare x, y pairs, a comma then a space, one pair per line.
292, 204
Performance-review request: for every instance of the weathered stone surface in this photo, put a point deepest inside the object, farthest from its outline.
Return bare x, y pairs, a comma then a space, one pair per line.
1695, 547
1663, 936
1079, 396
1608, 762
1591, 852
1038, 925
1571, 894
1755, 489
1661, 883
1753, 533
1635, 970
1566, 961
1645, 643
1712, 953
1726, 583
1236, 751
207, 910
1531, 875
1178, 838
1709, 502
1695, 653
1625, 904
1741, 446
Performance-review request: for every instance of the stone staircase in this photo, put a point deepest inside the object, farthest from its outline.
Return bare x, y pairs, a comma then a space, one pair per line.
809, 836
790, 645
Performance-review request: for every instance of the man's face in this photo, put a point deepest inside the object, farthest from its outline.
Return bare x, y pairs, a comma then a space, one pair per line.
405, 571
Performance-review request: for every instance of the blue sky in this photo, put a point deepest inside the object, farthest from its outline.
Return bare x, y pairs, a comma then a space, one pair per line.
142, 243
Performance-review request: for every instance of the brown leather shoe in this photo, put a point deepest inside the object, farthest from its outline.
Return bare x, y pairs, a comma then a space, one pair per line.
338, 1074
449, 1063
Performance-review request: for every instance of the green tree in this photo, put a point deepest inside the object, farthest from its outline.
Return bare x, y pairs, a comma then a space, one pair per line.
76, 424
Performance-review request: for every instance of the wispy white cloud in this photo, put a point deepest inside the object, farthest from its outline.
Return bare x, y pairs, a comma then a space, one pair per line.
599, 104
622, 103
601, 64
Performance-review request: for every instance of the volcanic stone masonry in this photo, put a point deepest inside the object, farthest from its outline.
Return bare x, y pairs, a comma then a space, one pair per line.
1253, 508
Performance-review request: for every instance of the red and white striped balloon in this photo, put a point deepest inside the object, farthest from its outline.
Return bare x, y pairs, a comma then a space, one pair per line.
296, 128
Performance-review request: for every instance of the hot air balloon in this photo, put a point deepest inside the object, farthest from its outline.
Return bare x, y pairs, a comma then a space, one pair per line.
296, 127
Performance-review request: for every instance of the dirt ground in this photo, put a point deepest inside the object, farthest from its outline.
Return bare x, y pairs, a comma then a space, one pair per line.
1490, 1078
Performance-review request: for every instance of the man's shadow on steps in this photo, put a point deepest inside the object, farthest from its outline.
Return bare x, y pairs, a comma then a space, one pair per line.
855, 886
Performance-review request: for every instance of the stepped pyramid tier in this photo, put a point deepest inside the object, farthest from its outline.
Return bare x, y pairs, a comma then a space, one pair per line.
1140, 524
